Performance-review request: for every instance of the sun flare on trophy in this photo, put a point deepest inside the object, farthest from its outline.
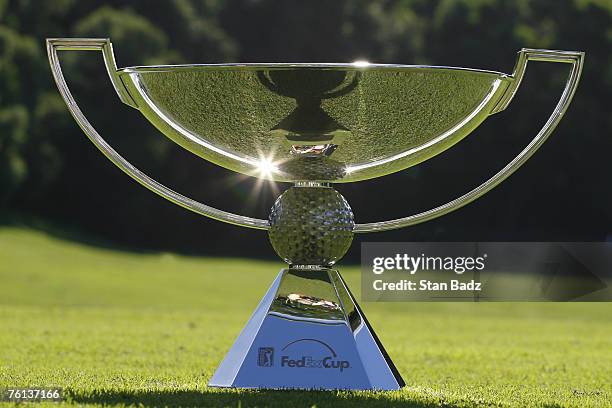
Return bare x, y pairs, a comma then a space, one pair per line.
361, 63
266, 168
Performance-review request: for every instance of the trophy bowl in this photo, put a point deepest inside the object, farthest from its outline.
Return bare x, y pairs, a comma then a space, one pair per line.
324, 122
312, 125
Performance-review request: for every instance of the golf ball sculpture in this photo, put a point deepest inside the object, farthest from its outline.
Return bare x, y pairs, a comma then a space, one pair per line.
312, 125
311, 226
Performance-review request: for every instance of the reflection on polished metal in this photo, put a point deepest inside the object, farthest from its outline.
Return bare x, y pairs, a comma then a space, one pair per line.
313, 125
315, 341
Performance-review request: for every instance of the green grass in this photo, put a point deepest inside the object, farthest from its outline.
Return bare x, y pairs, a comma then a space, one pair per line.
115, 327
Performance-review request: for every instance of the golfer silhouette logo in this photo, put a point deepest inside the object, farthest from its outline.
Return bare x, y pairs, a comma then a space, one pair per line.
265, 357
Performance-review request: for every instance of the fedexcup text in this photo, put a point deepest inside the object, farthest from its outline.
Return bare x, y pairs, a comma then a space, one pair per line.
309, 362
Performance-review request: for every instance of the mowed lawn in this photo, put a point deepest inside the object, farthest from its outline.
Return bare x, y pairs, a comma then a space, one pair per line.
115, 327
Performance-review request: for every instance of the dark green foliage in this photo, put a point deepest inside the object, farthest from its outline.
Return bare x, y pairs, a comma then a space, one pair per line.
47, 167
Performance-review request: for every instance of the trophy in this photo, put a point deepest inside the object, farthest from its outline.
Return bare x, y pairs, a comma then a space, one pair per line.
312, 125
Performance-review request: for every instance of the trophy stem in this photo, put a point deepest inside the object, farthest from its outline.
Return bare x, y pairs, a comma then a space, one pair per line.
308, 183
308, 332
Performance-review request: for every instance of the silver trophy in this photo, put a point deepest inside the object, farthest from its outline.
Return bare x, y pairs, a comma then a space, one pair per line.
312, 125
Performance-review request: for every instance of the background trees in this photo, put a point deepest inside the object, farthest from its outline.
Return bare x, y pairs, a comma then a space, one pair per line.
47, 168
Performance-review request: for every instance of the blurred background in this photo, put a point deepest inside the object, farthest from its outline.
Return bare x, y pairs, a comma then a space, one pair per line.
53, 178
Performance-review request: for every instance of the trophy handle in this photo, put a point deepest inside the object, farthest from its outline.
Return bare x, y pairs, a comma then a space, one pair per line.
104, 45
572, 57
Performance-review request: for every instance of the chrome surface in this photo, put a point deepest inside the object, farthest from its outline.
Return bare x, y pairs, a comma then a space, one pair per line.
308, 333
104, 45
576, 59
89, 44
311, 225
353, 121
312, 184
312, 124
367, 119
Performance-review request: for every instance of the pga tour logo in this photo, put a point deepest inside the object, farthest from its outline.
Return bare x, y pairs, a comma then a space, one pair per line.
265, 357
328, 358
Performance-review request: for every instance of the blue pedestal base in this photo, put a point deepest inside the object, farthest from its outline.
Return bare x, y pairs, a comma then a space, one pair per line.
307, 333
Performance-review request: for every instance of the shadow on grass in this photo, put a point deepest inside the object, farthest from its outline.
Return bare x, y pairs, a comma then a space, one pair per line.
248, 398
61, 231
73, 233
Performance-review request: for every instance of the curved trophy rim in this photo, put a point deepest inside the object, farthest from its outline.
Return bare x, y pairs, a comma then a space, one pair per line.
250, 164
575, 58
354, 66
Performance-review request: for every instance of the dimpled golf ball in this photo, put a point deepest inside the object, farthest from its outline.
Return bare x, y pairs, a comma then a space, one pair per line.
311, 226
